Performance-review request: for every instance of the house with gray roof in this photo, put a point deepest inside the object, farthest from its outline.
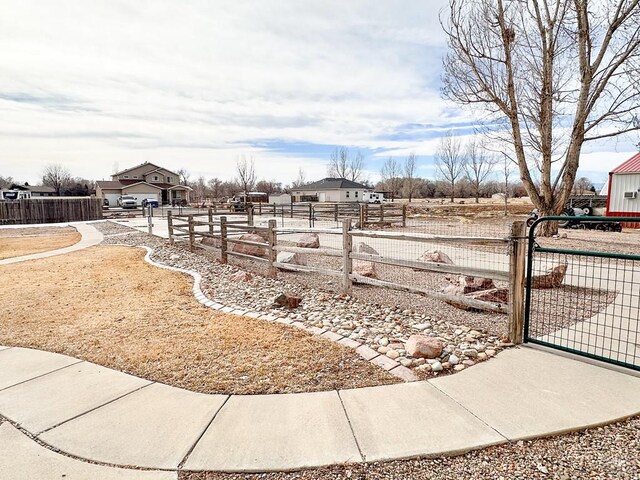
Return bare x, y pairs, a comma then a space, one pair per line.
330, 190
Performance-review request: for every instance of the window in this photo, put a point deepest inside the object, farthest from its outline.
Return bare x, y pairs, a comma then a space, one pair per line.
356, 194
126, 176
168, 179
155, 178
135, 176
347, 194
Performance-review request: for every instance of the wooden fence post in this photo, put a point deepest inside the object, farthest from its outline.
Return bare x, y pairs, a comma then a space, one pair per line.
192, 238
210, 221
310, 216
273, 255
170, 226
517, 262
361, 219
347, 262
291, 209
223, 239
404, 215
335, 215
249, 214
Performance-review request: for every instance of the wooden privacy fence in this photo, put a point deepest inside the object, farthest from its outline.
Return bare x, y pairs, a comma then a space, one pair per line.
50, 210
227, 234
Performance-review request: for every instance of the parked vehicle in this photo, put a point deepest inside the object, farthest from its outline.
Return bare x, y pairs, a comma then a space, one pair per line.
150, 202
238, 203
372, 197
578, 212
127, 201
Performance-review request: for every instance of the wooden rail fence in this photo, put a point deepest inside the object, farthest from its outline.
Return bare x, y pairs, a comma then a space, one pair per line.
50, 210
228, 232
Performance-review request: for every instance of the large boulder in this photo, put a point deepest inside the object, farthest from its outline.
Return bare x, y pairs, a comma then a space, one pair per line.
365, 269
253, 250
435, 256
421, 346
362, 247
494, 295
211, 242
287, 300
309, 240
553, 278
464, 284
291, 258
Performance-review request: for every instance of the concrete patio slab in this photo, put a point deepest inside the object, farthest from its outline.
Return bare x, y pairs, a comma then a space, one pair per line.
525, 393
412, 419
20, 364
59, 396
276, 432
23, 459
154, 427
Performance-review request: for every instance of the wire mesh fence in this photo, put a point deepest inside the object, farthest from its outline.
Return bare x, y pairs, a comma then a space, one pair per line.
584, 301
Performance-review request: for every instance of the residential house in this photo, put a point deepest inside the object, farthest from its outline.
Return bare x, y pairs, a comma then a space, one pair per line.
330, 190
145, 181
33, 191
623, 191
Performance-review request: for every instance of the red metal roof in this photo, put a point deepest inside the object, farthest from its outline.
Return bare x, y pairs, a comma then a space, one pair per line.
630, 166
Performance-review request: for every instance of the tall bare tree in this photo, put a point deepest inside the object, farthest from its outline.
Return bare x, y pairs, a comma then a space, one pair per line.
183, 176
450, 161
214, 186
391, 172
246, 171
507, 172
343, 164
57, 177
479, 164
301, 179
410, 167
550, 75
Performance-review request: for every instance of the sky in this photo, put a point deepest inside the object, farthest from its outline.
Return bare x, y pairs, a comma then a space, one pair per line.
105, 85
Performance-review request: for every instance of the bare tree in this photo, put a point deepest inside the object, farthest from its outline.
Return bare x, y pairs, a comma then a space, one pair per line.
479, 164
215, 188
390, 173
57, 177
269, 186
410, 175
6, 182
582, 185
246, 174
550, 75
183, 176
301, 179
450, 161
199, 189
345, 165
507, 171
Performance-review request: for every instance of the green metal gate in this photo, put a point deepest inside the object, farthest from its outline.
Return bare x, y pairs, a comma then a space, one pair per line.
585, 302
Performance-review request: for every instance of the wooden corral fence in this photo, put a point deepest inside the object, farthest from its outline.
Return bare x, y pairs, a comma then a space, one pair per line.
50, 210
366, 214
228, 232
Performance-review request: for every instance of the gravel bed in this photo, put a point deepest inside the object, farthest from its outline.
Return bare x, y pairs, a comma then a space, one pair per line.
611, 452
384, 328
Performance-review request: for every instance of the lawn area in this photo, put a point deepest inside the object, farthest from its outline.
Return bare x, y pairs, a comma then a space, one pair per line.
106, 305
15, 242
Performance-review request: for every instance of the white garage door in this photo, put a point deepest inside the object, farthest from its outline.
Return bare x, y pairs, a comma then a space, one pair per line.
113, 199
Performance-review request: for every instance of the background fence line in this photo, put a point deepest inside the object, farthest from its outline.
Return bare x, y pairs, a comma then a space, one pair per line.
50, 210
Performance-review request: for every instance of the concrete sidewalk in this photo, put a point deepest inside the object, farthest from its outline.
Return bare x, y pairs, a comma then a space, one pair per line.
105, 416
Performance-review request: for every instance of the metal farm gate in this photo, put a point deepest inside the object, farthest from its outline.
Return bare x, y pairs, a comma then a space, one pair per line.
584, 302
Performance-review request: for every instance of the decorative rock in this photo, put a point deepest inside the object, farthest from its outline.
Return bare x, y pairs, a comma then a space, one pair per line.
384, 341
436, 367
241, 276
287, 300
423, 347
362, 247
175, 256
405, 362
464, 284
453, 360
435, 256
365, 269
211, 242
290, 258
495, 295
309, 240
383, 350
459, 368
252, 250
392, 354
552, 279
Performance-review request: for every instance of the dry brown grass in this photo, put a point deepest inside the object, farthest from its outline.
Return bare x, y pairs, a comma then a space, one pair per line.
26, 241
106, 305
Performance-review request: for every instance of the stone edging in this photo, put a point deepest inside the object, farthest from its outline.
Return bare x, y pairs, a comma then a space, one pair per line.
390, 365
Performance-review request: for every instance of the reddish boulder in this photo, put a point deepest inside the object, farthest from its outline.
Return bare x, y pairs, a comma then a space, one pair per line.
210, 242
552, 279
241, 276
435, 256
309, 240
365, 269
421, 346
463, 284
287, 300
252, 250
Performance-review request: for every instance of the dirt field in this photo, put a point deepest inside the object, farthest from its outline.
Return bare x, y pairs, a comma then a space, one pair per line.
16, 242
106, 305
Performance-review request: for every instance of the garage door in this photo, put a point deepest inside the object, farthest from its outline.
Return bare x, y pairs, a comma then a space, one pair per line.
113, 199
